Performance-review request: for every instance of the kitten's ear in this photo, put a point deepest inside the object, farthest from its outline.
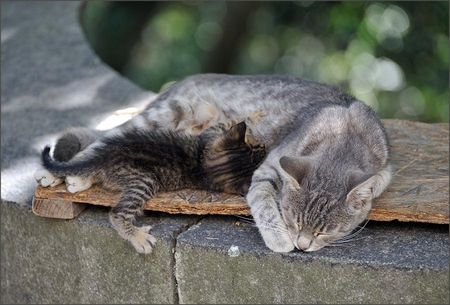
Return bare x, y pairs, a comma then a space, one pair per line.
250, 138
360, 187
237, 133
297, 168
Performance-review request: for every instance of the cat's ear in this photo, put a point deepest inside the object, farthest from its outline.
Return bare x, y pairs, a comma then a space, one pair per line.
297, 168
236, 133
360, 188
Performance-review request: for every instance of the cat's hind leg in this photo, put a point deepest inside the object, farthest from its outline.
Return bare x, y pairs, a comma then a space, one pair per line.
69, 143
74, 140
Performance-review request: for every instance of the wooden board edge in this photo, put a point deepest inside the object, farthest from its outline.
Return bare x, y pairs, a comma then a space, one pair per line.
57, 208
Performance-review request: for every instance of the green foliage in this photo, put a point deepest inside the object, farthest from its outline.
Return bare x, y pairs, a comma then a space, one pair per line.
394, 56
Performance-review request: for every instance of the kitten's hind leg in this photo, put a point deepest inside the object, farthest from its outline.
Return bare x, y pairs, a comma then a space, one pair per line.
77, 184
45, 178
123, 215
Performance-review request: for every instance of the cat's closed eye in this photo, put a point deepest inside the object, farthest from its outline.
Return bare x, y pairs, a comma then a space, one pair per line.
316, 234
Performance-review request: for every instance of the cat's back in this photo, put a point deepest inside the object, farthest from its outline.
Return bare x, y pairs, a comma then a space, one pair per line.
293, 104
283, 89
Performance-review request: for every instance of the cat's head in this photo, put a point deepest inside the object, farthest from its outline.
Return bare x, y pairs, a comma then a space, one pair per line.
318, 211
232, 157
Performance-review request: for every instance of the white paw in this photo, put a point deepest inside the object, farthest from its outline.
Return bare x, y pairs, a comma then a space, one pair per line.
77, 184
45, 178
277, 241
143, 241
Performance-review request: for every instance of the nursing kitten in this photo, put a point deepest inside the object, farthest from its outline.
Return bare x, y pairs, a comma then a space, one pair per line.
327, 151
141, 163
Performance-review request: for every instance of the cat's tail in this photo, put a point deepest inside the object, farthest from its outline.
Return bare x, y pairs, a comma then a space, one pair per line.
74, 167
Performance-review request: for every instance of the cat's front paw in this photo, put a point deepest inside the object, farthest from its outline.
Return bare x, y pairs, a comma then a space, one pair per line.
45, 178
77, 184
278, 242
142, 240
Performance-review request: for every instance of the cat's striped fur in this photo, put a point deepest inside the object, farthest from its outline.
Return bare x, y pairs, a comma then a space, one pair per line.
141, 163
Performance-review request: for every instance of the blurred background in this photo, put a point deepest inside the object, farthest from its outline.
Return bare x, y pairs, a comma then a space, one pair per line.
394, 56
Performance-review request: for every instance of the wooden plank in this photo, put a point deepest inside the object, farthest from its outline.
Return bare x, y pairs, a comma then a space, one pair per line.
419, 190
420, 185
57, 208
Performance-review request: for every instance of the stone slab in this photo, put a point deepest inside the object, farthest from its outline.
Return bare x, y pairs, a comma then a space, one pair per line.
387, 263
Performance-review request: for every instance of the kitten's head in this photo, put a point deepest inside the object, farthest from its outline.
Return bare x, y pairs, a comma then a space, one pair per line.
319, 210
231, 158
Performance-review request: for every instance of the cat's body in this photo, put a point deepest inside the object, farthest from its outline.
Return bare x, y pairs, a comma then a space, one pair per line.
335, 151
141, 163
327, 152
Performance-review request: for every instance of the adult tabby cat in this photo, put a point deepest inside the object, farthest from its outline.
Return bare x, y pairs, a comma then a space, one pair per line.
327, 151
140, 163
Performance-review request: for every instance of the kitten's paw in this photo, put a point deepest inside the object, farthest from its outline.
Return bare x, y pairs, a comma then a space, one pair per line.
77, 184
143, 241
45, 178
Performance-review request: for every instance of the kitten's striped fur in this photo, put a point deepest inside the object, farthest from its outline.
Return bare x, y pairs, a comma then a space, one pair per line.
140, 163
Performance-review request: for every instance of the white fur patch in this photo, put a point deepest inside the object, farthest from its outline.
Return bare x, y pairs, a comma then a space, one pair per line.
45, 178
77, 184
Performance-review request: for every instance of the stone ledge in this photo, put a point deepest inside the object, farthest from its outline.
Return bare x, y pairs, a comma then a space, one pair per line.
84, 261
390, 263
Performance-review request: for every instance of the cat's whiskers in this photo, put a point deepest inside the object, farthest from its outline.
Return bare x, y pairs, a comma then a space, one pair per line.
250, 219
272, 227
351, 237
251, 222
356, 232
340, 241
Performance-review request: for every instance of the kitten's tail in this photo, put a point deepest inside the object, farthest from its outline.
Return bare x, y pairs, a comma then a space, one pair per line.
70, 168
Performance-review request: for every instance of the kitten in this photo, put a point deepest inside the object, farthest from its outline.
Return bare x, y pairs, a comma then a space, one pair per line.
327, 152
140, 163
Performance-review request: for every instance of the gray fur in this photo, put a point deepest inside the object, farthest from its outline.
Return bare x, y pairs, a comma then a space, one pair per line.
305, 203
74, 140
340, 135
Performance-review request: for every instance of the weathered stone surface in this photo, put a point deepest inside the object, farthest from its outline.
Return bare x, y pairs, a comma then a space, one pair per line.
84, 261
391, 263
